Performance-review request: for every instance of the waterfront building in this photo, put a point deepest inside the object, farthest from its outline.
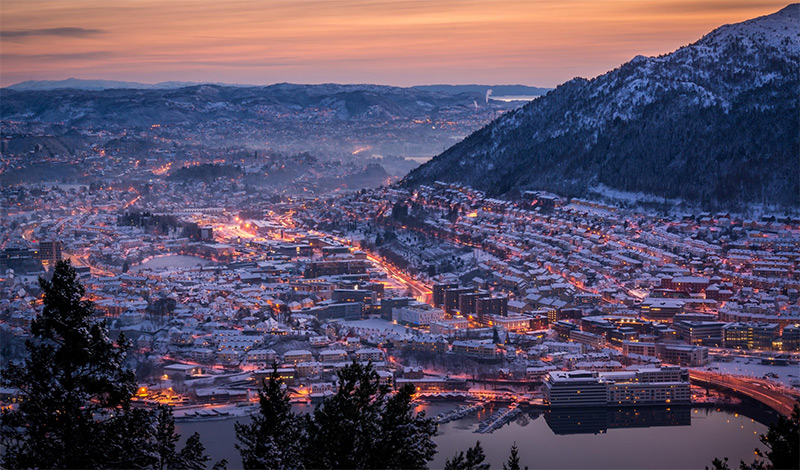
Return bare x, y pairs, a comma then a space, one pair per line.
575, 388
651, 386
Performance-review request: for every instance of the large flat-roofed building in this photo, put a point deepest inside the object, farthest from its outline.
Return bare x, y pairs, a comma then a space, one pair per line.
667, 385
438, 292
700, 332
661, 309
590, 339
417, 315
486, 306
353, 295
669, 352
511, 322
50, 251
335, 268
481, 349
651, 386
692, 284
449, 327
682, 354
790, 338
750, 335
575, 388
637, 347
451, 296
467, 302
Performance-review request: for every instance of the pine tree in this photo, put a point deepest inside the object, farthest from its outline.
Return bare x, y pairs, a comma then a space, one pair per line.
274, 438
472, 461
345, 427
193, 457
405, 439
361, 426
513, 459
75, 392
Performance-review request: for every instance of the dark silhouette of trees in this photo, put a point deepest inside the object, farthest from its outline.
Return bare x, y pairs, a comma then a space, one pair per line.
513, 460
782, 441
75, 409
361, 426
473, 460
276, 436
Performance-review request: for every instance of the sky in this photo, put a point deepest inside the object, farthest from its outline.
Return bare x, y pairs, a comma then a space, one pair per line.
411, 42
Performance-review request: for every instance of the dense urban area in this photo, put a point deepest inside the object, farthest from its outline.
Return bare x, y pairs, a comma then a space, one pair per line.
541, 301
202, 274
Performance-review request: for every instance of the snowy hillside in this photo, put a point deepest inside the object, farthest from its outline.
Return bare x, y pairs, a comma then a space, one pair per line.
714, 122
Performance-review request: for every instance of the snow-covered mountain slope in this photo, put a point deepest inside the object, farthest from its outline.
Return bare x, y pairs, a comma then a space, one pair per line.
713, 122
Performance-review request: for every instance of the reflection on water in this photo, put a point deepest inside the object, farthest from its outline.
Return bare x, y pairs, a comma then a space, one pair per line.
598, 420
647, 437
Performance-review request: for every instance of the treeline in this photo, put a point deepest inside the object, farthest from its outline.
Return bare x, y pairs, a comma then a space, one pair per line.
145, 219
158, 223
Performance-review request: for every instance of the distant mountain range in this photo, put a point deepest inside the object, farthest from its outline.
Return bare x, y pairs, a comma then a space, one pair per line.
95, 85
716, 122
341, 121
193, 104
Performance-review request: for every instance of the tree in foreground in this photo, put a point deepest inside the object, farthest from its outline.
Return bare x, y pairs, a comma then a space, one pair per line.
782, 441
475, 457
75, 409
276, 436
473, 460
361, 426
513, 460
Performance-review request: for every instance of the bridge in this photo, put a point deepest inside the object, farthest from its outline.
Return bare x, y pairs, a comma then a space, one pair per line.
775, 397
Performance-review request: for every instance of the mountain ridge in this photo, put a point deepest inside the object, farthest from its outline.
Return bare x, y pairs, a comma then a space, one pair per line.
99, 85
691, 124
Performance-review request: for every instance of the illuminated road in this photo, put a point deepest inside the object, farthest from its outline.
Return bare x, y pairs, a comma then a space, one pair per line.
83, 260
421, 291
754, 388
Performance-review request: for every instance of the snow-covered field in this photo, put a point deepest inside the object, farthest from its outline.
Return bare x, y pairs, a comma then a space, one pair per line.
374, 324
740, 366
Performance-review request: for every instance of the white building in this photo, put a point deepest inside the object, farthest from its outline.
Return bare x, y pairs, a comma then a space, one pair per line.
417, 316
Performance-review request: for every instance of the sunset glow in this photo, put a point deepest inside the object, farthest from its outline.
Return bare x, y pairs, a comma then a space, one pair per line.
540, 43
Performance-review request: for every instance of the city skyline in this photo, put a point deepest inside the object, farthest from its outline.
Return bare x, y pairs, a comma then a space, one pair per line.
394, 43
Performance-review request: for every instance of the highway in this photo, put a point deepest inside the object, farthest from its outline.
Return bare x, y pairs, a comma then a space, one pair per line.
756, 389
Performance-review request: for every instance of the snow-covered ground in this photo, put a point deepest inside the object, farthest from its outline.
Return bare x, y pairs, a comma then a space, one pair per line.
740, 366
374, 324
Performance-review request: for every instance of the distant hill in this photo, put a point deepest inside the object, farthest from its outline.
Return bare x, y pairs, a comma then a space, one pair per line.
80, 84
96, 85
132, 107
716, 122
343, 121
497, 90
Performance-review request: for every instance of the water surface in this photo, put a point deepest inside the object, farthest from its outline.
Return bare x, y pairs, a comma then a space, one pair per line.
681, 438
